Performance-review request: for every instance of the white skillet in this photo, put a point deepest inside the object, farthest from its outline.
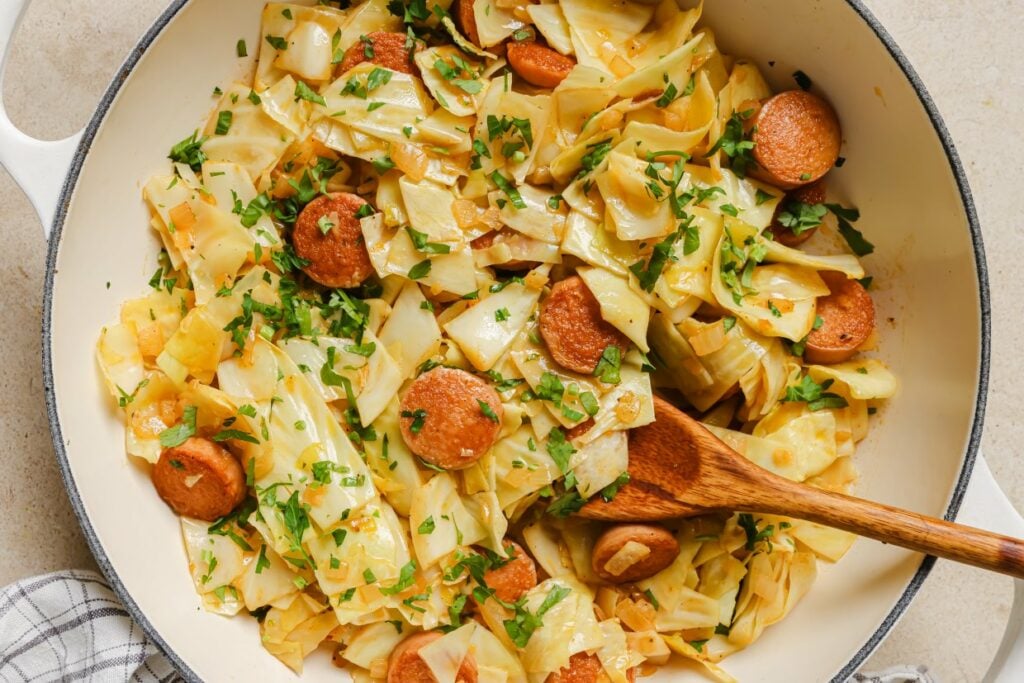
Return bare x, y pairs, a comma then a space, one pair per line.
902, 172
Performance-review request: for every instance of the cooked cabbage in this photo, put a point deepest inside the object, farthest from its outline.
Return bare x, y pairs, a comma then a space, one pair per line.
484, 191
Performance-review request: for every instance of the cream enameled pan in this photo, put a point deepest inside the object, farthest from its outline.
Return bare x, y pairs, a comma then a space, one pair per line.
901, 171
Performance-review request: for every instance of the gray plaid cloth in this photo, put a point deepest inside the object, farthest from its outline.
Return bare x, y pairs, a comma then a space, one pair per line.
68, 626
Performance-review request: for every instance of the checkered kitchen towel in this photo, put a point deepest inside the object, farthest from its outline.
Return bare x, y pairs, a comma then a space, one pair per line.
69, 626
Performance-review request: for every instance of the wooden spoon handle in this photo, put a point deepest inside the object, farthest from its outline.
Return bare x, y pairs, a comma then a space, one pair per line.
892, 525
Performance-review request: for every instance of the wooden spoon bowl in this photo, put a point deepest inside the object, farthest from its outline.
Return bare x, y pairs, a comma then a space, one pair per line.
678, 468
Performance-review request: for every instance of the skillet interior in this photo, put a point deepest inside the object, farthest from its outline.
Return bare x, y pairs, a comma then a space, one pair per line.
901, 172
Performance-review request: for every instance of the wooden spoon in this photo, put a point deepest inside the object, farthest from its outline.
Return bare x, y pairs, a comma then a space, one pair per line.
678, 468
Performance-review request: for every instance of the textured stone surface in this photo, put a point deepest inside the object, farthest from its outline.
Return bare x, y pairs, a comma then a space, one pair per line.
966, 54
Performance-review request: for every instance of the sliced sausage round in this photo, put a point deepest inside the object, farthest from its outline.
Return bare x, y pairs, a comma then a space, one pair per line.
583, 668
450, 417
661, 550
389, 50
466, 18
406, 666
328, 235
573, 329
538, 64
199, 479
796, 139
580, 429
848, 318
513, 579
812, 195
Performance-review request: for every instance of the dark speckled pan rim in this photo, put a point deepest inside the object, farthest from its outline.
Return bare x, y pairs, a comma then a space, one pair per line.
103, 109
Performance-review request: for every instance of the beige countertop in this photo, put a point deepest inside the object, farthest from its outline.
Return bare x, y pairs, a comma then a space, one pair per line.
966, 53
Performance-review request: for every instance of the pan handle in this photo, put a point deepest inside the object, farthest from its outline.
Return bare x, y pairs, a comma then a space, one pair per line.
38, 166
986, 506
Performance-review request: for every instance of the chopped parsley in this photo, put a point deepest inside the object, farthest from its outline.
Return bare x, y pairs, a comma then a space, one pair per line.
734, 144
845, 217
506, 186
419, 417
488, 412
420, 270
737, 264
189, 151
522, 626
815, 395
648, 273
419, 240
609, 365
224, 120
325, 224
304, 92
800, 217
181, 432
405, 579
277, 42
234, 435
754, 535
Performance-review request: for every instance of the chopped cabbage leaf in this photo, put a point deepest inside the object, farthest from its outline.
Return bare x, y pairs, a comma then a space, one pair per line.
452, 79
410, 334
865, 379
494, 23
484, 335
551, 23
454, 526
620, 305
629, 204
215, 562
568, 625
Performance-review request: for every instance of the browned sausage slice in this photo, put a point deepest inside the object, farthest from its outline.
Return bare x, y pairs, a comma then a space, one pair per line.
338, 257
389, 50
467, 20
634, 563
796, 139
583, 668
812, 195
199, 479
538, 64
511, 580
450, 417
573, 329
848, 318
406, 666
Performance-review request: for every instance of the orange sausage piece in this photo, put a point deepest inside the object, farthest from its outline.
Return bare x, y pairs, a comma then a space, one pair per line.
848, 316
339, 257
406, 666
511, 580
580, 429
573, 329
466, 18
659, 541
583, 668
796, 139
538, 64
444, 421
389, 51
808, 194
199, 479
